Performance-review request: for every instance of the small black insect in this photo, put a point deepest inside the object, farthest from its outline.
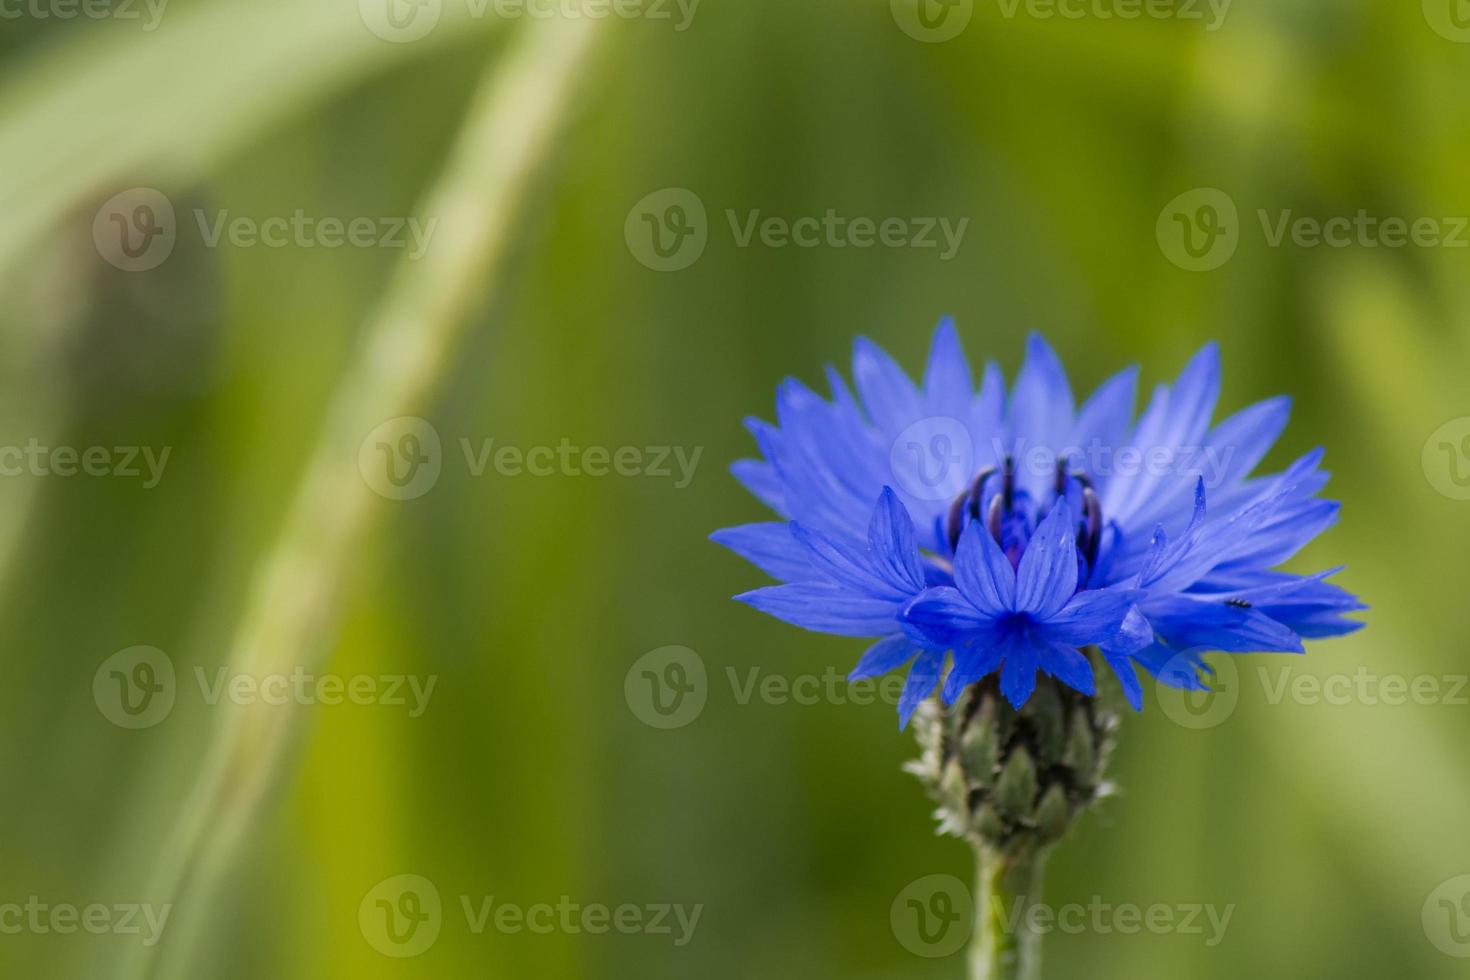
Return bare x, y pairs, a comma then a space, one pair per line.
1238, 603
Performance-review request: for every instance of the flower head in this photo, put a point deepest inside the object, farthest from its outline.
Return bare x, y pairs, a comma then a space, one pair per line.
1013, 529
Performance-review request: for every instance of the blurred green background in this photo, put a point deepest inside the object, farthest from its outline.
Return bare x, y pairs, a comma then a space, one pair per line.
1062, 140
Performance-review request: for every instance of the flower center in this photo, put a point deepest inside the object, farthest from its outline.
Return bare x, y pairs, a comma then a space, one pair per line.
1011, 515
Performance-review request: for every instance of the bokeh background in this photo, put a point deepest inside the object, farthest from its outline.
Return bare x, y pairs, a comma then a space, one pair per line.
1063, 140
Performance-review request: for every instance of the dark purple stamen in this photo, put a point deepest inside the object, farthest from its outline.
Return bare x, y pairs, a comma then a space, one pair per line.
969, 505
1090, 538
969, 500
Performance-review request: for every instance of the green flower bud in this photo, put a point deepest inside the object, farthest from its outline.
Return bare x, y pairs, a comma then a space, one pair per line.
1016, 790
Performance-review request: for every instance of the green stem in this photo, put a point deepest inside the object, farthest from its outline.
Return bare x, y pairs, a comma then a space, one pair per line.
1006, 945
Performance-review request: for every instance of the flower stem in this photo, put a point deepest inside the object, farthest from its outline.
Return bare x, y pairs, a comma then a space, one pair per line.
1008, 885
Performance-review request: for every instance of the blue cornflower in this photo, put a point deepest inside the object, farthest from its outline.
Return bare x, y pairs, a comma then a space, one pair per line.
1014, 528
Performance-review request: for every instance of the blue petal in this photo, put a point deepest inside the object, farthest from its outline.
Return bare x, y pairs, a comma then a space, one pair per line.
1127, 674
1040, 411
973, 659
759, 477
1308, 605
887, 654
888, 394
770, 547
1093, 617
948, 386
1162, 559
944, 616
891, 539
1247, 436
1215, 625
982, 571
1102, 423
1041, 406
1176, 418
1069, 666
844, 565
824, 609
923, 679
1135, 634
1018, 674
1179, 668
987, 418
1048, 573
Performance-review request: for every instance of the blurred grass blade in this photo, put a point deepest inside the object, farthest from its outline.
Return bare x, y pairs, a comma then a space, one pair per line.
510, 127
107, 106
